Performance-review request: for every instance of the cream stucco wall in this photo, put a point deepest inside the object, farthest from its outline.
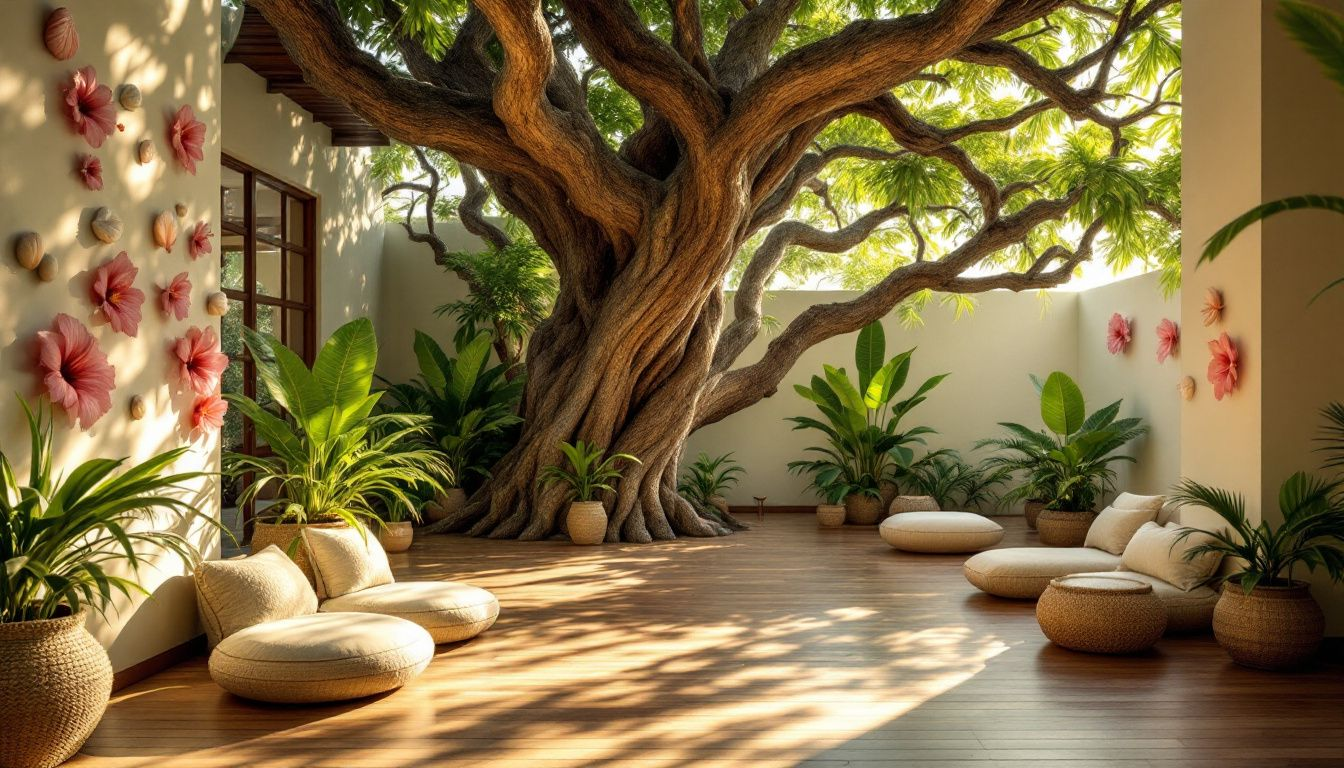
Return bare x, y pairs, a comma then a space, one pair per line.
275, 135
168, 48
412, 286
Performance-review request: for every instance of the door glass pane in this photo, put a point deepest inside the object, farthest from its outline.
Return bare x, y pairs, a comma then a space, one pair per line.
295, 338
231, 262
296, 233
294, 285
268, 202
231, 196
267, 270
232, 382
268, 319
231, 332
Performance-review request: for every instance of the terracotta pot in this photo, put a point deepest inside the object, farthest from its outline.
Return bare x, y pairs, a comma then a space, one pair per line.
1033, 510
55, 680
587, 522
448, 502
283, 535
902, 504
830, 515
861, 509
396, 537
1063, 529
889, 491
1271, 628
719, 503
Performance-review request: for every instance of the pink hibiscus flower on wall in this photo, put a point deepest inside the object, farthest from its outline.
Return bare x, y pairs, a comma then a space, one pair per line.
90, 170
75, 371
1223, 366
1117, 334
175, 300
1168, 338
207, 413
88, 107
199, 361
114, 294
199, 245
186, 134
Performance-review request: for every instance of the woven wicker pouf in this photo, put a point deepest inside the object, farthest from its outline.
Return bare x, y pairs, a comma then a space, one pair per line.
1101, 614
830, 515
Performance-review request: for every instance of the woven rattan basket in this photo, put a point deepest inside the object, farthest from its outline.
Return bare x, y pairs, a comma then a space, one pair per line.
861, 509
1063, 529
282, 535
587, 522
1101, 614
445, 504
1032, 510
55, 681
1271, 628
902, 504
830, 515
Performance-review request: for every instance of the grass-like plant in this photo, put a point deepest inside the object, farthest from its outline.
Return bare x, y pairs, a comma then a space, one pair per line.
588, 473
61, 533
707, 477
955, 483
332, 458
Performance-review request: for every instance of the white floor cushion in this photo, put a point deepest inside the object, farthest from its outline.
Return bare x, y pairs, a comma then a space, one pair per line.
1025, 572
449, 610
321, 657
940, 532
1187, 611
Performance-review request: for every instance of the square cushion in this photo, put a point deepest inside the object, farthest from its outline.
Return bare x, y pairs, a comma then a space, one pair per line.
1135, 501
1113, 528
345, 560
1159, 551
232, 595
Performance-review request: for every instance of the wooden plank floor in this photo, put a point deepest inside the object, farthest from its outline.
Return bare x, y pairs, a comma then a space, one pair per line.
780, 646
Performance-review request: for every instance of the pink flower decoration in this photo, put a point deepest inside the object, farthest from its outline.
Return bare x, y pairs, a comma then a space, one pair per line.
199, 361
89, 107
187, 136
175, 300
114, 294
200, 240
90, 170
1168, 337
1223, 366
76, 372
207, 413
1117, 334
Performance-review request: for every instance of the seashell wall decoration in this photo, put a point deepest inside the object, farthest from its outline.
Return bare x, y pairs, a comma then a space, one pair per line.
47, 268
28, 249
60, 36
106, 226
145, 152
137, 407
216, 304
1186, 387
1213, 306
130, 97
180, 209
165, 231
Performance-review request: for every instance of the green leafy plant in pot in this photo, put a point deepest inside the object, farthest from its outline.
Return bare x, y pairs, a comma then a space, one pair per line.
865, 448
62, 539
333, 461
588, 473
706, 480
1070, 466
954, 483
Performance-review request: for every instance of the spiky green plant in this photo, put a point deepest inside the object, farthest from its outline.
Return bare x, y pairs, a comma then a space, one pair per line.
60, 535
588, 473
708, 476
955, 483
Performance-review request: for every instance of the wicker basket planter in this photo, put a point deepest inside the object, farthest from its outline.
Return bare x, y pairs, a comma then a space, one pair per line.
55, 680
889, 492
1101, 614
445, 504
861, 509
396, 537
902, 504
1063, 529
1033, 510
282, 535
830, 515
1271, 628
587, 522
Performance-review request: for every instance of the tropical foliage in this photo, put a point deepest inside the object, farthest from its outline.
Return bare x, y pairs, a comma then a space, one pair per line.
955, 483
865, 444
472, 405
62, 535
1320, 32
707, 477
1070, 466
589, 471
332, 458
512, 290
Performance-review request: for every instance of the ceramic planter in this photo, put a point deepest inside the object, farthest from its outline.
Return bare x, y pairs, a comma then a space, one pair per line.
396, 537
861, 509
1063, 529
1033, 510
284, 534
830, 515
587, 522
55, 680
1271, 628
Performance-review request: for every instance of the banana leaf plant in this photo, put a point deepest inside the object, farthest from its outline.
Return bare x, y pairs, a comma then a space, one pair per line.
1070, 465
861, 421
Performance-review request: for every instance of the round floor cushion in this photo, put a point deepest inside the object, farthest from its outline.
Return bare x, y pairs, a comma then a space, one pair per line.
940, 532
321, 657
449, 610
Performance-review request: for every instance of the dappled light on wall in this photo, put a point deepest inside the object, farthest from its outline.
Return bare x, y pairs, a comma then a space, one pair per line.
74, 370
1118, 334
1223, 366
1168, 339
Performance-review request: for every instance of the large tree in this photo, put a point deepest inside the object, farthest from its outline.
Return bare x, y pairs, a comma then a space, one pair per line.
655, 148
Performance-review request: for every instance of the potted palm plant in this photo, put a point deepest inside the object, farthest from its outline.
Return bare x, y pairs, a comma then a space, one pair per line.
707, 478
62, 537
332, 461
588, 474
954, 483
1266, 618
865, 446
